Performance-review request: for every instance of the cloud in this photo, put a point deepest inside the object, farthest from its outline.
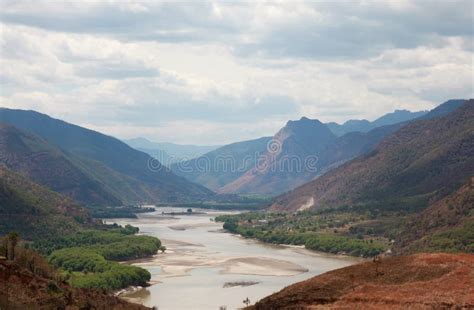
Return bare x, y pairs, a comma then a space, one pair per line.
222, 71
115, 71
316, 30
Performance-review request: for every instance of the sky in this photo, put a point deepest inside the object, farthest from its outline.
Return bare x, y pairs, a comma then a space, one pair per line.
217, 72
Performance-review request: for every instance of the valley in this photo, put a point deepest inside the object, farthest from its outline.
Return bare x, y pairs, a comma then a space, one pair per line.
236, 155
80, 216
211, 268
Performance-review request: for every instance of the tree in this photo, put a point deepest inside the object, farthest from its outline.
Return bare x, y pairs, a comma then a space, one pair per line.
12, 240
377, 261
3, 247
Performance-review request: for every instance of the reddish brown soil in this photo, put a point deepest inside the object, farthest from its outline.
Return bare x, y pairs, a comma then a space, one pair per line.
423, 281
21, 289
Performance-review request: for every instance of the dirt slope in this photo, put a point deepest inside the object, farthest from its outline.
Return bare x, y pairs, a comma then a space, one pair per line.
422, 281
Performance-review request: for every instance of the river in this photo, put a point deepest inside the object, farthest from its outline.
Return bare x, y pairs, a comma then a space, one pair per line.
206, 268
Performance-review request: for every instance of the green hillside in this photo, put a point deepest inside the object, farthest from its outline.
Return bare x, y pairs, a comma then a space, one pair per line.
34, 211
116, 173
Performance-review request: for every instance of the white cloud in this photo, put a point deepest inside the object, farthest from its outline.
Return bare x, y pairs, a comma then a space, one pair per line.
220, 72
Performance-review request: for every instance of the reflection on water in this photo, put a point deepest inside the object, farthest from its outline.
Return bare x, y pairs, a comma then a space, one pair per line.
201, 258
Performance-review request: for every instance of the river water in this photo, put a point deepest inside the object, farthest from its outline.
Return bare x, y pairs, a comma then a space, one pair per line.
206, 268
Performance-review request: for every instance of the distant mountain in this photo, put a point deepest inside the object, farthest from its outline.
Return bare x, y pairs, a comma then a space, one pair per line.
169, 153
223, 165
302, 155
288, 160
242, 175
424, 160
398, 116
130, 175
34, 211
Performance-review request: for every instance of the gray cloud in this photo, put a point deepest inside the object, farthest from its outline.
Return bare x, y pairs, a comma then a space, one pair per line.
162, 106
115, 71
318, 30
223, 71
356, 30
166, 22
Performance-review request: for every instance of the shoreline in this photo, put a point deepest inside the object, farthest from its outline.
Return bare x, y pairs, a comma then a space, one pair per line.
300, 247
259, 268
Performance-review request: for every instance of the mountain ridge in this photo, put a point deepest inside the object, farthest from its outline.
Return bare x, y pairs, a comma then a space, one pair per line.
136, 170
302, 140
405, 158
214, 170
319, 156
169, 153
354, 125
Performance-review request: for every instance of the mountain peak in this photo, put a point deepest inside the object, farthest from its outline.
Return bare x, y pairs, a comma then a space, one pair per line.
304, 123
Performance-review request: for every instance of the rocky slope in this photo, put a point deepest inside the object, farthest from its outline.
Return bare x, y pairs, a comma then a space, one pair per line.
290, 159
423, 281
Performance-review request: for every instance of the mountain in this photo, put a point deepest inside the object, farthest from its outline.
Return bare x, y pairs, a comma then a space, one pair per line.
423, 281
34, 211
357, 143
398, 116
444, 108
242, 175
137, 177
169, 153
46, 164
292, 167
288, 160
151, 149
223, 165
304, 156
351, 145
424, 160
